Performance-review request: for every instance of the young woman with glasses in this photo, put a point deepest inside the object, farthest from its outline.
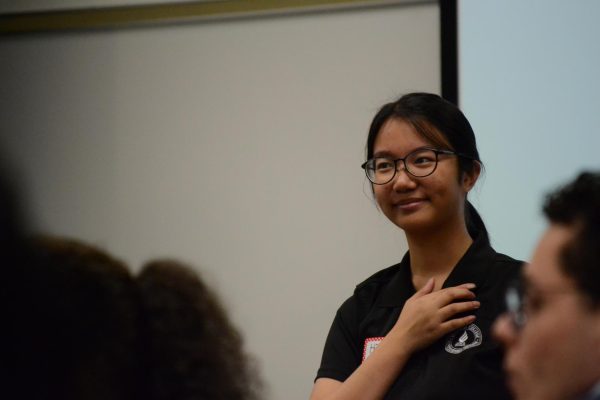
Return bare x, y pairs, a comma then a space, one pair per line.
421, 328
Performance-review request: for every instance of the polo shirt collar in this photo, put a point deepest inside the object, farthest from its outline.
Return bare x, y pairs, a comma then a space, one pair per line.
470, 268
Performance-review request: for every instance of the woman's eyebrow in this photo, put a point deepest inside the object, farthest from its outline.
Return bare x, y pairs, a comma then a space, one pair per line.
388, 154
383, 153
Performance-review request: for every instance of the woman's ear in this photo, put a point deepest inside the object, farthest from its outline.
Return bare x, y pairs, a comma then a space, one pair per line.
470, 178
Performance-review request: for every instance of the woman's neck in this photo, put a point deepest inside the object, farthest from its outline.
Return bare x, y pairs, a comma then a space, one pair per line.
434, 254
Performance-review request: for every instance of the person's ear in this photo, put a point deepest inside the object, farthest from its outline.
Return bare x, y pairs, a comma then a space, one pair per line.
470, 178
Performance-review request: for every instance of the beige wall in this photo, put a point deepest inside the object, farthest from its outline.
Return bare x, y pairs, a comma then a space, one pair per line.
234, 145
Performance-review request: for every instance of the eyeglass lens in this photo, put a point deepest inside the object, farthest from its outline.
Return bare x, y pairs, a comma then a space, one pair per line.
419, 163
515, 305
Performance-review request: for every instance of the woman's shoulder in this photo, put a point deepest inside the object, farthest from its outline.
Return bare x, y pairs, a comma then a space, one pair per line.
483, 256
486, 267
503, 258
501, 271
366, 293
379, 278
397, 276
506, 263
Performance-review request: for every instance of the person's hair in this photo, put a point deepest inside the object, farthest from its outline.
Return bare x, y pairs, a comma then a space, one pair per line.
443, 124
84, 327
194, 350
577, 204
12, 217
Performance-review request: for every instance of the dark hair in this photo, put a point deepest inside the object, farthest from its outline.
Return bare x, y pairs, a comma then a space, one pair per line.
577, 204
444, 125
84, 327
194, 351
72, 324
12, 217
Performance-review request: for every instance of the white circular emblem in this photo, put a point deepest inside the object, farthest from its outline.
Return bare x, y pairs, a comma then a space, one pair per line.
464, 339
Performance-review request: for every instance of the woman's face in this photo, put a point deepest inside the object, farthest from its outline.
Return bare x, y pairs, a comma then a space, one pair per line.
419, 204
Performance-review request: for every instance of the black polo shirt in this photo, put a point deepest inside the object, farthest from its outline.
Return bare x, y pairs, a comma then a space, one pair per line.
465, 364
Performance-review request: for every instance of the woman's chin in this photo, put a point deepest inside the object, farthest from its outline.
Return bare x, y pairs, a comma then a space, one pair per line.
412, 223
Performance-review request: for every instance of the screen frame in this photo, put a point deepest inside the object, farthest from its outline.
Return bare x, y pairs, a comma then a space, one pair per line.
128, 16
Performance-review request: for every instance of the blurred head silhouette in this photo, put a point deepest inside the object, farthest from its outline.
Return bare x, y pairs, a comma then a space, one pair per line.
84, 327
552, 330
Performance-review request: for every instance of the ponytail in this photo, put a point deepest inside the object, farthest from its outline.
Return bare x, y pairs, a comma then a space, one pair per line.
475, 225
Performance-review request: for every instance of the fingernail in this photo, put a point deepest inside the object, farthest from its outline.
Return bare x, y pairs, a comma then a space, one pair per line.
476, 304
470, 286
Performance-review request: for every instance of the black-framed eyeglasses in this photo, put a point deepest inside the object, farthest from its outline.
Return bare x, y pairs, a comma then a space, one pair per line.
514, 299
524, 300
419, 163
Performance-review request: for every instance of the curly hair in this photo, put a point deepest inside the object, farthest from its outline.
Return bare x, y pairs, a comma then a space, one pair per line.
577, 204
84, 327
194, 351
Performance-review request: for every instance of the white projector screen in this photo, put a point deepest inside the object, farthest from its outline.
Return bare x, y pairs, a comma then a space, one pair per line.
529, 85
232, 144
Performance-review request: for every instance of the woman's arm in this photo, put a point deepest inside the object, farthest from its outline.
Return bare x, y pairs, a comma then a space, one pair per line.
425, 318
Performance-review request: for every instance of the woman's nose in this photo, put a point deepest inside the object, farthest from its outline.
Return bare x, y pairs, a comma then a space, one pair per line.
403, 180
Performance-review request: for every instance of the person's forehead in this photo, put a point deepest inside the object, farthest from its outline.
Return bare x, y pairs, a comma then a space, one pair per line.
544, 269
396, 126
397, 134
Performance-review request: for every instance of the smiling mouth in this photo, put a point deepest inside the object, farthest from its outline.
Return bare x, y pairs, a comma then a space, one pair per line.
409, 204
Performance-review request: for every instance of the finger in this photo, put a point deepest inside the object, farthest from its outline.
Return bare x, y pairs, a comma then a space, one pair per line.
428, 288
467, 286
456, 308
456, 323
452, 294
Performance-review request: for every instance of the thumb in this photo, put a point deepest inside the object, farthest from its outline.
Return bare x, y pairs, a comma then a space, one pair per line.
426, 289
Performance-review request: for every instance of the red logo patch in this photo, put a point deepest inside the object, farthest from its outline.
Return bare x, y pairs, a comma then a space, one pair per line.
370, 346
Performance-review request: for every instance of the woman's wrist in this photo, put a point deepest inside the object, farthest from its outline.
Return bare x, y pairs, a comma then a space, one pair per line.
398, 343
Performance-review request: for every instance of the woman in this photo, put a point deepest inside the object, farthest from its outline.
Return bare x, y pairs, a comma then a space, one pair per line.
420, 329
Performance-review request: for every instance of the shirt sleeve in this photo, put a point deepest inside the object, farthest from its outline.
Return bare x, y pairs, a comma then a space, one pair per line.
343, 349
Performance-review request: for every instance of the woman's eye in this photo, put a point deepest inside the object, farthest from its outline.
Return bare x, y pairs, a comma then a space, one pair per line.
383, 165
423, 160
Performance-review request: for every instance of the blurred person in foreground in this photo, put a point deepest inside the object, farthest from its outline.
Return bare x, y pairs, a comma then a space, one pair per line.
83, 327
551, 331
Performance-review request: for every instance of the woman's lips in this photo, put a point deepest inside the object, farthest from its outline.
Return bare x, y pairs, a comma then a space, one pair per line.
409, 205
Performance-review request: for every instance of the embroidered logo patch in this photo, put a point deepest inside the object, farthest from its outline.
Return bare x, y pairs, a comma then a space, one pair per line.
464, 339
370, 346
